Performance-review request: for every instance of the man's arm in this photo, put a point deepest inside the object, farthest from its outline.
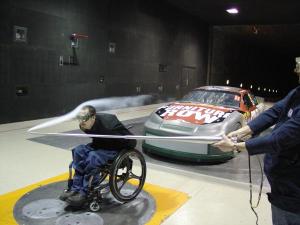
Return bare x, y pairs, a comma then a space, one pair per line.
262, 122
267, 118
120, 129
270, 117
285, 137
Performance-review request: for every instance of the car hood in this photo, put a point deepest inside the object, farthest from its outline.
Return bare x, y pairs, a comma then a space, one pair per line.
194, 113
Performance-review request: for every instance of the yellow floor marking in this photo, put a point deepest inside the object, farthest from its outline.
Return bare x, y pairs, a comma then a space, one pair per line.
167, 200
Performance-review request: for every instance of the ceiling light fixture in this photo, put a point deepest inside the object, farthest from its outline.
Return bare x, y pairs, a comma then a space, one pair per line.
255, 30
232, 11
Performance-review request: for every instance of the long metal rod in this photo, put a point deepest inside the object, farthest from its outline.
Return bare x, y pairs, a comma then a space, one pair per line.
198, 139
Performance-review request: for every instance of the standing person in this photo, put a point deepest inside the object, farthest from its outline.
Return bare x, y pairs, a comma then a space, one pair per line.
282, 148
87, 158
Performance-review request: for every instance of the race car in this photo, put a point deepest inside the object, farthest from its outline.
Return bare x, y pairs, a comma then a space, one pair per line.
205, 111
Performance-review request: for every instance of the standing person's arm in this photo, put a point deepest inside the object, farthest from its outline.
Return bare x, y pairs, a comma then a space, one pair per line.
260, 123
268, 118
283, 138
263, 121
271, 116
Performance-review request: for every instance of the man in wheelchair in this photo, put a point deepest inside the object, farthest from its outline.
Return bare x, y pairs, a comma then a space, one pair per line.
88, 158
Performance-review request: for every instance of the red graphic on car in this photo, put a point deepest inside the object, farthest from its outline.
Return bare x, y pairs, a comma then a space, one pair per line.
194, 113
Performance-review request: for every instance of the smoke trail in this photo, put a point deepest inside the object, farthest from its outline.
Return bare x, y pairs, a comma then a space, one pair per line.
100, 105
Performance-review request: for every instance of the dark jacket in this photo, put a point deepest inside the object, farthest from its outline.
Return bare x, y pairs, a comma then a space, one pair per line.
108, 124
282, 148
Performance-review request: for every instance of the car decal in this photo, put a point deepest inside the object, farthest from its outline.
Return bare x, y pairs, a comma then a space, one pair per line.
194, 113
237, 98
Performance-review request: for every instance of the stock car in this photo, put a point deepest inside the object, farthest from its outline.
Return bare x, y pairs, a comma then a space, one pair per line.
209, 111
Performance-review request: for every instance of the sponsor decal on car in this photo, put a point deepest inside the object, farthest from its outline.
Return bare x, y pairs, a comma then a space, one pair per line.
197, 114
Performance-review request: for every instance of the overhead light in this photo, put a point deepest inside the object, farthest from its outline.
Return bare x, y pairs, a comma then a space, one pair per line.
227, 82
241, 85
255, 30
232, 11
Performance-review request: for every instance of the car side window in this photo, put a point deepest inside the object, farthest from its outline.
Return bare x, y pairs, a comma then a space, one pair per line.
254, 99
247, 101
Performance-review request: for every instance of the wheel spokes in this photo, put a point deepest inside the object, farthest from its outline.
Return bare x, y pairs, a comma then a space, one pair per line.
123, 180
133, 176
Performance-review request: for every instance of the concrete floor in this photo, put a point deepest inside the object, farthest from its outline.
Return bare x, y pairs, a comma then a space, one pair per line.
217, 196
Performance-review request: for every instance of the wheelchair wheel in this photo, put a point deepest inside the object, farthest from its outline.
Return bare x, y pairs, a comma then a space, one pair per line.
94, 206
128, 174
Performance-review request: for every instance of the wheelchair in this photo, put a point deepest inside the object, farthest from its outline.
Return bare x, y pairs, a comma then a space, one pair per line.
129, 165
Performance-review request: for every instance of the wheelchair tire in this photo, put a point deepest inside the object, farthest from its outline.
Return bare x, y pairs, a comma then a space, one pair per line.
94, 206
124, 159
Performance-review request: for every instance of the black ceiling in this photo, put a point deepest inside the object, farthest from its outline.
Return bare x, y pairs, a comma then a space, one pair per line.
250, 11
282, 39
274, 24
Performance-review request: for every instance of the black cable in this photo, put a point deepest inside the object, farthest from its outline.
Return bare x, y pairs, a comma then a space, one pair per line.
251, 187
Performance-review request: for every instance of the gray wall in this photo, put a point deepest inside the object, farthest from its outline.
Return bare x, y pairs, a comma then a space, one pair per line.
249, 61
146, 34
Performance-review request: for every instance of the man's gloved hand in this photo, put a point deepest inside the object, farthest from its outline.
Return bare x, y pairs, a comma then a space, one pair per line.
243, 133
225, 145
229, 144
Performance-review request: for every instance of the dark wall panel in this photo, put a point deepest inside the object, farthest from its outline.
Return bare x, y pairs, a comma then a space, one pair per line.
152, 34
146, 34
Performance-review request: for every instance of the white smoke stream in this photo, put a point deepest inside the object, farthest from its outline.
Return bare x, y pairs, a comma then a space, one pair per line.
100, 105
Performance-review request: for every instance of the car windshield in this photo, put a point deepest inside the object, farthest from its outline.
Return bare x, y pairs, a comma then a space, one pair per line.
212, 97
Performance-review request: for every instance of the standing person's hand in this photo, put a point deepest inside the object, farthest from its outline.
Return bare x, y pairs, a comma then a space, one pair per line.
241, 134
228, 145
225, 145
